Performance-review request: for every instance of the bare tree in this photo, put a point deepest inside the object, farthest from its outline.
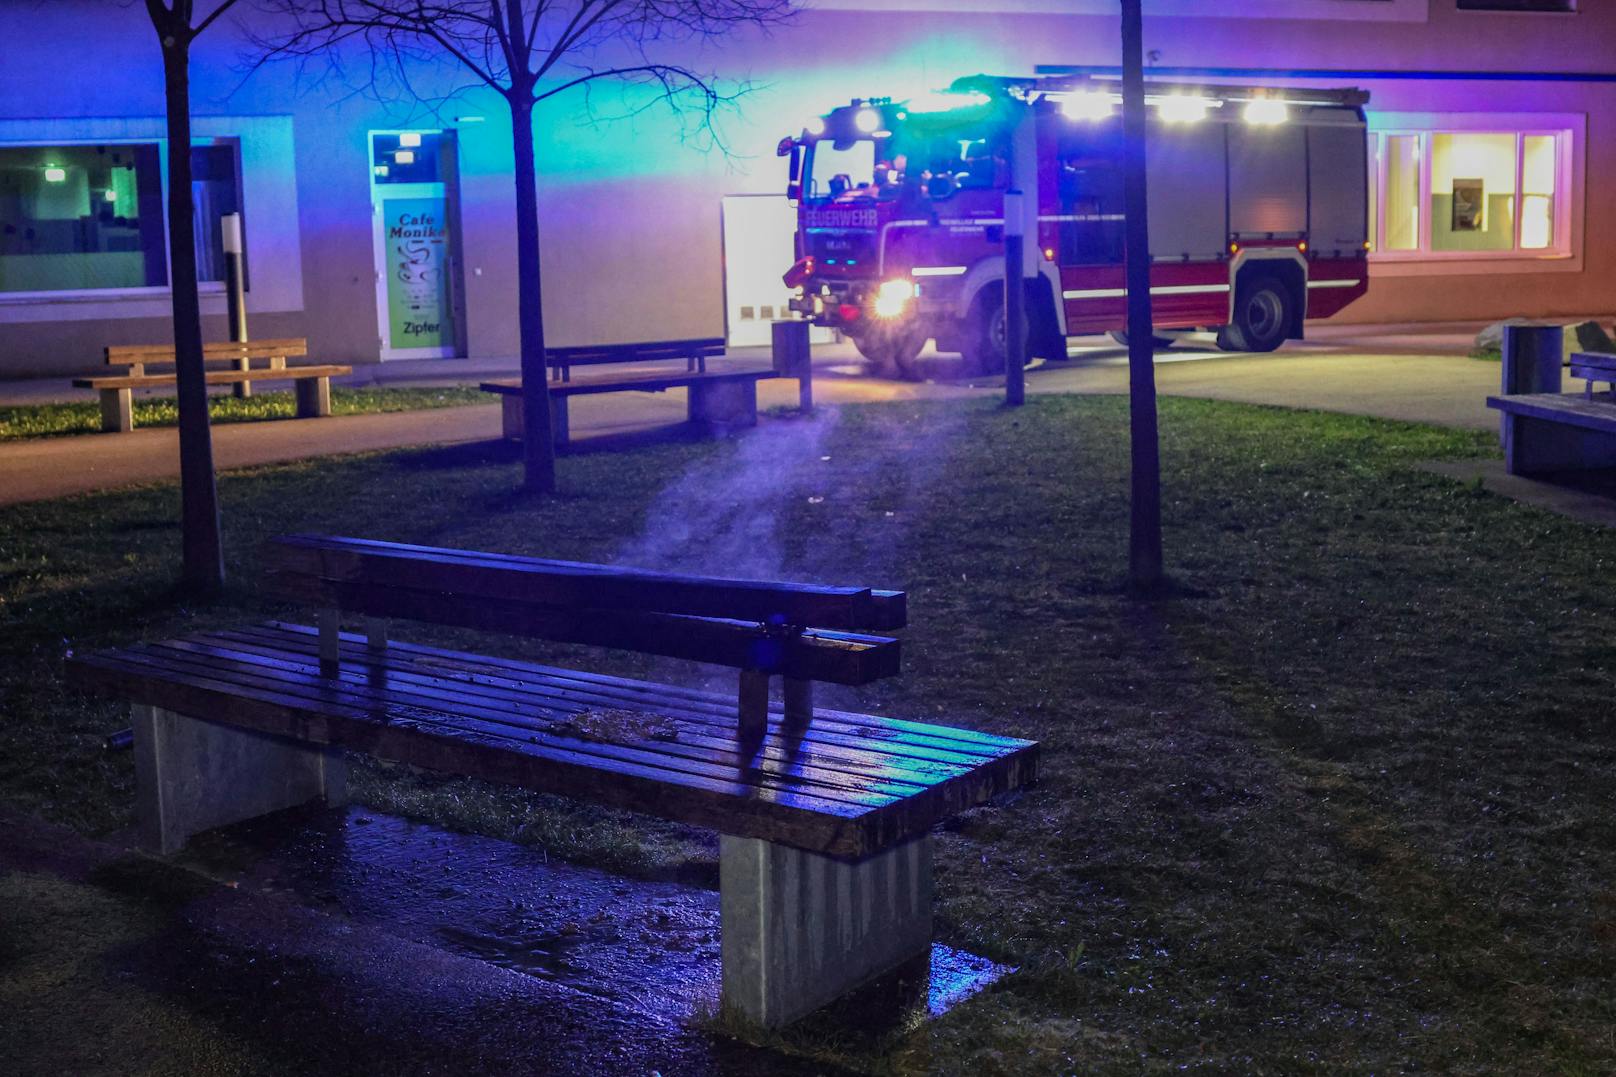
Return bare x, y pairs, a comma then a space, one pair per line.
177, 25
1144, 533
529, 51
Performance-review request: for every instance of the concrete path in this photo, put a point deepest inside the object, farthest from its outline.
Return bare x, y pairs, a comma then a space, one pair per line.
1327, 373
40, 468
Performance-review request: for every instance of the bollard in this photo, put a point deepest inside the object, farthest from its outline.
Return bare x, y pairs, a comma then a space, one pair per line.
1532, 358
793, 358
1015, 300
235, 292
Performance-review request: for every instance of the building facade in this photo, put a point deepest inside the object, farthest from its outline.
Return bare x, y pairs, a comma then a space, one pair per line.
379, 229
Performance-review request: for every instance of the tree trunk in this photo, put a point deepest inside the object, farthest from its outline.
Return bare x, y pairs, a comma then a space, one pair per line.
1144, 537
199, 513
538, 439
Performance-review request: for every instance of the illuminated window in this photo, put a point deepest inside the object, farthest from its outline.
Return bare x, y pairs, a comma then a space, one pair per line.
92, 217
1476, 194
215, 193
1517, 5
76, 218
410, 156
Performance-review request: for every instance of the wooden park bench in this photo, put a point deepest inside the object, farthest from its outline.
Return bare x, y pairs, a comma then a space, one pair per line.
1545, 432
823, 815
717, 401
1592, 367
311, 383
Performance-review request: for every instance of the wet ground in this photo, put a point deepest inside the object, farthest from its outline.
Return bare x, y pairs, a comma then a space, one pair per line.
320, 940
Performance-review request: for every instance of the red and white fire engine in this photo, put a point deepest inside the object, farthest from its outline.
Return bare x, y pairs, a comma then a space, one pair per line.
1257, 208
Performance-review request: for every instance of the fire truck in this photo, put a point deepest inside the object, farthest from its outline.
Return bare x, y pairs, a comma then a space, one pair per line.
1256, 197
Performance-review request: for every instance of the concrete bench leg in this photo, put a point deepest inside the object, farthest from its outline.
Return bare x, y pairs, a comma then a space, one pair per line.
192, 775
510, 417
117, 411
724, 405
1533, 445
512, 424
800, 930
313, 398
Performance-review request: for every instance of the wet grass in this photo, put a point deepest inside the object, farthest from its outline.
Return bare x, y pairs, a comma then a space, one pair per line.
54, 420
1342, 803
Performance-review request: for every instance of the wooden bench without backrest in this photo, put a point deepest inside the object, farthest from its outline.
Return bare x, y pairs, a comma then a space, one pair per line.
312, 384
825, 863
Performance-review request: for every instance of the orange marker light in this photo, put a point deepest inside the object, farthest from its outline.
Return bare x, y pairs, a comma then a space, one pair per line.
1234, 248
1302, 246
1049, 254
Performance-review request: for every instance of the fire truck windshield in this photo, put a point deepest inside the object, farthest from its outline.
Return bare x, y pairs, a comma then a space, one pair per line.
930, 164
838, 168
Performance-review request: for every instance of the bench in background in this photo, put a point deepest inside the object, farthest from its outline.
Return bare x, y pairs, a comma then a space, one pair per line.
1592, 367
717, 401
1546, 432
695, 354
312, 384
823, 816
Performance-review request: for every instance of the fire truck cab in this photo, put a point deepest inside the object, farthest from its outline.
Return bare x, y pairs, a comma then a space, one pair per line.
1256, 202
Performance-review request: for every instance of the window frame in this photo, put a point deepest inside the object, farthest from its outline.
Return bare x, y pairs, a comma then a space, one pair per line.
1564, 252
146, 291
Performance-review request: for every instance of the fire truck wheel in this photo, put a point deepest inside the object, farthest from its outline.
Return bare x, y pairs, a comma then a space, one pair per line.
892, 351
1121, 337
1262, 316
985, 334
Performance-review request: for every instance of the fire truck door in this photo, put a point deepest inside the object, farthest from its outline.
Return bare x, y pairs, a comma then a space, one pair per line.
1089, 226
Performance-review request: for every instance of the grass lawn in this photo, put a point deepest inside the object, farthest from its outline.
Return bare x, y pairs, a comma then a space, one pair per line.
1343, 804
50, 420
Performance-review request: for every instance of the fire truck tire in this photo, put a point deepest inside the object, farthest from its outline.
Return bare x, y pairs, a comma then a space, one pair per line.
1121, 337
984, 337
892, 352
1262, 316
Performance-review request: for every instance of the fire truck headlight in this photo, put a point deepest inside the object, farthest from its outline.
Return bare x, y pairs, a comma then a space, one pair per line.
867, 120
893, 298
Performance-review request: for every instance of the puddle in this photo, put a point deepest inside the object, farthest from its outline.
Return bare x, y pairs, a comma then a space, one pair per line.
652, 947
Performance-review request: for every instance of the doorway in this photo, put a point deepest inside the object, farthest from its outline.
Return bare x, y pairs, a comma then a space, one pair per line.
758, 248
419, 299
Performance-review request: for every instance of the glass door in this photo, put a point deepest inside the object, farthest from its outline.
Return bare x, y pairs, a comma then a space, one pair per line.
418, 293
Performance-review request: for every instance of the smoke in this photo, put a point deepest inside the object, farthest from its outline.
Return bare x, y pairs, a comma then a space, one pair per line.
722, 517
867, 475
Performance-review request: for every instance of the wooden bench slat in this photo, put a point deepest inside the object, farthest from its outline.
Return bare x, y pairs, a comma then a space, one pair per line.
964, 743
648, 351
213, 349
212, 377
827, 743
305, 681
646, 383
574, 584
821, 655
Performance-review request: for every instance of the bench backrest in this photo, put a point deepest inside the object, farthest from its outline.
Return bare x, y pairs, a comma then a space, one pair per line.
801, 631
141, 355
646, 352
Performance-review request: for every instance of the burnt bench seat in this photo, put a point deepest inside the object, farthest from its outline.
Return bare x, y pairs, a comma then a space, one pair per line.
823, 815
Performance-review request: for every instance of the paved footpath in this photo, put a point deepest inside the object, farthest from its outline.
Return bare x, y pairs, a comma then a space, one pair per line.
1393, 382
